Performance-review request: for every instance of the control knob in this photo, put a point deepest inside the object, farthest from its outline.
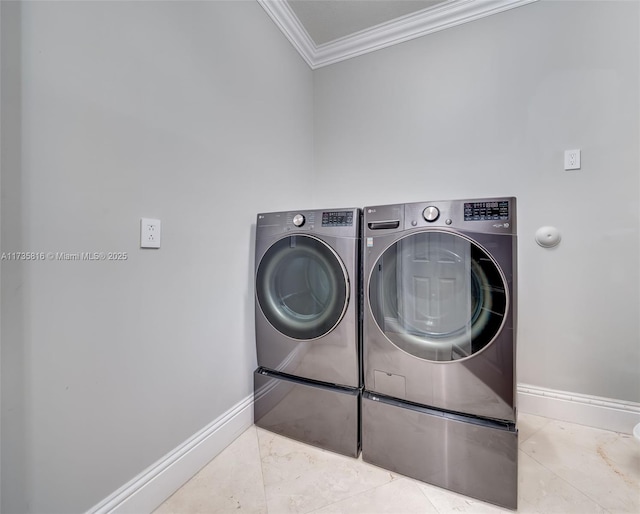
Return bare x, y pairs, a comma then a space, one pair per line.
298, 220
431, 214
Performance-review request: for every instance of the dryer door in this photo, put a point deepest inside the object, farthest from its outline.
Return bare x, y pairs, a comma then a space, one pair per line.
438, 296
302, 287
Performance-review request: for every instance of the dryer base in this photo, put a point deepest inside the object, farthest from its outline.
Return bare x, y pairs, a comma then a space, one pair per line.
315, 413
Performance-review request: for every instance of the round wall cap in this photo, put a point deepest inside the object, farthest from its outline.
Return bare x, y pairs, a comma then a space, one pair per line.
547, 237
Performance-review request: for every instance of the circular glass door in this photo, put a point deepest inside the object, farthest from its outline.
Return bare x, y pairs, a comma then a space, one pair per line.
302, 287
438, 296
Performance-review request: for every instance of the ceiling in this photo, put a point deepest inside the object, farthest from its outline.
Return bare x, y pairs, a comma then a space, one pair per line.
329, 31
328, 20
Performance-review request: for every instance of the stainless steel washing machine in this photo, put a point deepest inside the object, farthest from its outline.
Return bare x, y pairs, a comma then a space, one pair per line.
439, 339
307, 286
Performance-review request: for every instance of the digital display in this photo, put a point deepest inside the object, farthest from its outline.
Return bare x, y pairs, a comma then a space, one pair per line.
337, 219
486, 211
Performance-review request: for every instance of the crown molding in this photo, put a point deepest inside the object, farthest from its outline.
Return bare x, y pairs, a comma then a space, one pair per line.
284, 17
443, 16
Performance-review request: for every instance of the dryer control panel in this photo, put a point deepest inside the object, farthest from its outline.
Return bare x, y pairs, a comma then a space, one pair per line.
337, 218
334, 222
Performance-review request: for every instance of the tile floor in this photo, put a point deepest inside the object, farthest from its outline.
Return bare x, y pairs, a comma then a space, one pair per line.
563, 468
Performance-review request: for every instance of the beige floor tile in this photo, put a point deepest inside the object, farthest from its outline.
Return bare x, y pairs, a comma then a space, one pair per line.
529, 424
447, 501
604, 465
232, 482
541, 491
400, 496
300, 478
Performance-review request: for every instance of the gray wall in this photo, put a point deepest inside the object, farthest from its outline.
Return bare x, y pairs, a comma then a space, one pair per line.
487, 109
199, 114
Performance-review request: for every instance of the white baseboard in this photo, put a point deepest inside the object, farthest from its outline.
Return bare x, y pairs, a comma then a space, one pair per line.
160, 480
605, 413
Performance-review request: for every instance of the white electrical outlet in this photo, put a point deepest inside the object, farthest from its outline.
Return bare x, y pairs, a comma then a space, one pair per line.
150, 232
572, 159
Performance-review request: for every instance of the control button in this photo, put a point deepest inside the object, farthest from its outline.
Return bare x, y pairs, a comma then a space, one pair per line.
448, 221
431, 214
414, 223
298, 220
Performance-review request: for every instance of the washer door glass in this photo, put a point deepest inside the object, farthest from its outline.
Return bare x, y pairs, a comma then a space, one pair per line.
438, 296
302, 287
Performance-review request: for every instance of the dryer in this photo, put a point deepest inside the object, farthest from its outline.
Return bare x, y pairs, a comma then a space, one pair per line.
439, 339
307, 286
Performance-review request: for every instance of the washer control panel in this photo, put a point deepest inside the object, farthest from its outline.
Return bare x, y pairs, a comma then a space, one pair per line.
486, 211
495, 215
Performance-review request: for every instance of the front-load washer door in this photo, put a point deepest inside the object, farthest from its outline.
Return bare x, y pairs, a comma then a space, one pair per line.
302, 287
438, 296
439, 330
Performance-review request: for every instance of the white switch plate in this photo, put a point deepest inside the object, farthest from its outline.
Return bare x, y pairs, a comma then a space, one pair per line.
150, 233
572, 159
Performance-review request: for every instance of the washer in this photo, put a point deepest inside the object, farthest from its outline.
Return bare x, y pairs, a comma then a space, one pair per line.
439, 329
307, 285
439, 317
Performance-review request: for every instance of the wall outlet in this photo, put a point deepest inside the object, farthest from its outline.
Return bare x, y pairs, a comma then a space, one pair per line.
572, 159
150, 232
